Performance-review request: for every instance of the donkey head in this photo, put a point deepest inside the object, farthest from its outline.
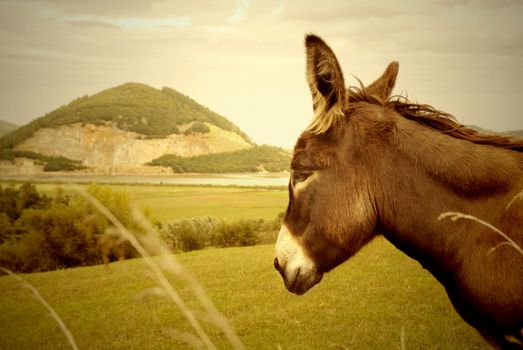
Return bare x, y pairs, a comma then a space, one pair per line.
331, 212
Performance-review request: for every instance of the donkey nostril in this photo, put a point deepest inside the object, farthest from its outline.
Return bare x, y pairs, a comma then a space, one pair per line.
276, 264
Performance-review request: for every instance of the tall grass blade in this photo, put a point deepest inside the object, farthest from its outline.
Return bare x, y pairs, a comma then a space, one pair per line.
152, 243
169, 262
516, 198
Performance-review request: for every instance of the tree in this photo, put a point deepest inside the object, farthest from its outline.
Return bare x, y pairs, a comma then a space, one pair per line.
13, 201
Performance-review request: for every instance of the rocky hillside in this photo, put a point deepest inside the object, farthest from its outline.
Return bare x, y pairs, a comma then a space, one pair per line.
108, 146
123, 128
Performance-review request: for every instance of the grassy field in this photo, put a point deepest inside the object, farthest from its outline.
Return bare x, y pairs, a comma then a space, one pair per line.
363, 304
167, 202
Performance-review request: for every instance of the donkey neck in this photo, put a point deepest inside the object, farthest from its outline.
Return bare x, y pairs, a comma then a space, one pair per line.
466, 168
432, 173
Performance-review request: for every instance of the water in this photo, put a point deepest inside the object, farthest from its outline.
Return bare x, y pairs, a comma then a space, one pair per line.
247, 179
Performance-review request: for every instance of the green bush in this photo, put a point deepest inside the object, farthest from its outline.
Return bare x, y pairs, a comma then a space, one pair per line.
117, 202
203, 231
44, 234
252, 159
55, 238
190, 234
237, 234
50, 163
62, 164
197, 128
7, 154
15, 200
184, 236
269, 230
5, 227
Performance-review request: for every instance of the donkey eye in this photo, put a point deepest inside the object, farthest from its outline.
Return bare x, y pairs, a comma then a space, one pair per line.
299, 176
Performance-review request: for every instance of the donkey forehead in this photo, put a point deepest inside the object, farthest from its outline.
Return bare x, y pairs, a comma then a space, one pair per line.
313, 152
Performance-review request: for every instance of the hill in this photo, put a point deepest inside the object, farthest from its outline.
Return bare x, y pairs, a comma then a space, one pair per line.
6, 127
130, 107
518, 133
130, 129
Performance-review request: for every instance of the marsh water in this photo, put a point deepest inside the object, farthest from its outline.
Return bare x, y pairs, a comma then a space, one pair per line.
243, 179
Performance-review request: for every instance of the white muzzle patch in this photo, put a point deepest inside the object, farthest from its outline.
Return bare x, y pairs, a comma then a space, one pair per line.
298, 270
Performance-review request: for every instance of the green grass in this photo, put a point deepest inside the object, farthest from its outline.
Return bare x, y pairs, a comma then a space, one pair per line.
167, 202
362, 304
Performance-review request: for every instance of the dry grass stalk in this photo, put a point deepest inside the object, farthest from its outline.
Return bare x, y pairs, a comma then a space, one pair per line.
152, 244
508, 241
517, 197
42, 301
170, 263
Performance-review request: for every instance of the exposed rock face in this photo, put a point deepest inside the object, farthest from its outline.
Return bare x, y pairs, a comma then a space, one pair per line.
107, 146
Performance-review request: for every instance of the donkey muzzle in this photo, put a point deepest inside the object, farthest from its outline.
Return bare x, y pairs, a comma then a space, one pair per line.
298, 271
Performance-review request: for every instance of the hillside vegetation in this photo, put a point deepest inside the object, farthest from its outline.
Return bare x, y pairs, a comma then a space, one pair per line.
49, 163
131, 107
518, 133
253, 159
6, 127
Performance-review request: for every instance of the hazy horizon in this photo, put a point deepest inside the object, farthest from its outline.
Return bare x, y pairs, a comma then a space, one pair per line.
245, 59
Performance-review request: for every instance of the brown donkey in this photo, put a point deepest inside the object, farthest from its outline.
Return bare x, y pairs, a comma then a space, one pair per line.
370, 164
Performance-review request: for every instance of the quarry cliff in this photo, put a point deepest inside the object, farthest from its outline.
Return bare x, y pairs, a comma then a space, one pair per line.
107, 145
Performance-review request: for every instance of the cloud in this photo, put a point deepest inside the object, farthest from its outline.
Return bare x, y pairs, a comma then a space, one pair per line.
92, 23
127, 8
278, 10
240, 13
129, 23
466, 28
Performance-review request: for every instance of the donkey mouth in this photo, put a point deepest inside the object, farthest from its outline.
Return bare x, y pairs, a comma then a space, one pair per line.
298, 270
300, 283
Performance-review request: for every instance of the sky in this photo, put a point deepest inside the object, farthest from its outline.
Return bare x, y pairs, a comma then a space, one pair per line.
245, 59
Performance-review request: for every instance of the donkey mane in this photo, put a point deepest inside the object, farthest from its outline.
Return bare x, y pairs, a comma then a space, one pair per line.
433, 119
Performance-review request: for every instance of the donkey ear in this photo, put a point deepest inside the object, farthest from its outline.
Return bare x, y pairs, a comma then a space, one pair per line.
383, 86
327, 85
